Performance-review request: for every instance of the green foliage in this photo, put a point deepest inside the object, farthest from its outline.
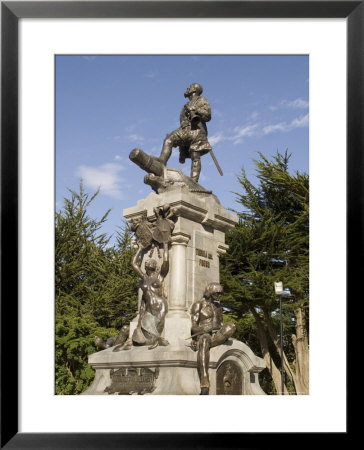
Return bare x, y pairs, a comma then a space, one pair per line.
270, 243
95, 289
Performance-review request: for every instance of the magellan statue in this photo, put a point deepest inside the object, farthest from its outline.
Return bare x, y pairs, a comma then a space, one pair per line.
191, 137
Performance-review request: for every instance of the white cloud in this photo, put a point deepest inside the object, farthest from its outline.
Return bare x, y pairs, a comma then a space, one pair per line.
284, 127
216, 138
258, 130
236, 137
105, 176
300, 121
298, 103
247, 130
136, 138
118, 158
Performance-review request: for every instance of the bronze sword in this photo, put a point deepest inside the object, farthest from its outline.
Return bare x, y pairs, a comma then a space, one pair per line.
216, 163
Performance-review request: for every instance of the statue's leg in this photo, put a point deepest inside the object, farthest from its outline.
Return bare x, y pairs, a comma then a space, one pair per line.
160, 327
195, 166
128, 344
203, 359
172, 140
123, 335
225, 332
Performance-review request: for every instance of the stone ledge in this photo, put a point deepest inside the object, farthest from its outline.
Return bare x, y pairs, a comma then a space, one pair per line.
207, 211
175, 356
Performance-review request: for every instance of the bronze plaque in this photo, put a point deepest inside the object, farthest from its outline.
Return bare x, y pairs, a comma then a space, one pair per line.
229, 379
132, 380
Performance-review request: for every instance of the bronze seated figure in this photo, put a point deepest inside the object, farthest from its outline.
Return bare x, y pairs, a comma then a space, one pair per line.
208, 330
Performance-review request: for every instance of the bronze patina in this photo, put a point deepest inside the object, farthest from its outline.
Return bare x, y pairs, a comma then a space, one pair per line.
143, 232
111, 341
191, 136
153, 306
208, 330
132, 380
229, 379
164, 224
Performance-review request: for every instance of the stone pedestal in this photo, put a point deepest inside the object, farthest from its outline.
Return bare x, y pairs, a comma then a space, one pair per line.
172, 370
197, 242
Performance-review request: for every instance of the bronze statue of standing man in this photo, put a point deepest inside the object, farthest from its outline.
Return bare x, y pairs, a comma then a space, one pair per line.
191, 137
208, 330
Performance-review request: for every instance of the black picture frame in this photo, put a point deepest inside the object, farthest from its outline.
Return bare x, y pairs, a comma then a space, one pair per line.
11, 12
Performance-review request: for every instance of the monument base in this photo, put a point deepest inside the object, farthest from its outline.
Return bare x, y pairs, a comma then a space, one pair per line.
172, 370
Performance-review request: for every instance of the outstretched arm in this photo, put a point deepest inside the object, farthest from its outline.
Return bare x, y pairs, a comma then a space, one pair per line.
134, 263
165, 265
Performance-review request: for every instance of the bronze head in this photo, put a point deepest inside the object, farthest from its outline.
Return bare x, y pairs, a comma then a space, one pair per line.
151, 265
212, 289
193, 88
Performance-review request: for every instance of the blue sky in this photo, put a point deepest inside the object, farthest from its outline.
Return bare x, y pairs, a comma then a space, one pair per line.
106, 105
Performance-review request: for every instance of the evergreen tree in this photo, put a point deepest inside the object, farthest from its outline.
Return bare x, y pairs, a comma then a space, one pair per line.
271, 243
95, 289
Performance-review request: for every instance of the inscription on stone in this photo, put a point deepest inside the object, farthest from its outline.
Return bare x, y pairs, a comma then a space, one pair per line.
203, 253
229, 379
204, 263
132, 380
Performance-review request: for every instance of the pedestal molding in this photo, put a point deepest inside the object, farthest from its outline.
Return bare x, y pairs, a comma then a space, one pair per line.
180, 239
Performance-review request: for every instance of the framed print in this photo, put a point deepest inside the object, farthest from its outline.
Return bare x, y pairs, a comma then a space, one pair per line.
32, 34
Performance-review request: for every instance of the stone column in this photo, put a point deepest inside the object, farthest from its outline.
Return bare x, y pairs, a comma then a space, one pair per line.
178, 272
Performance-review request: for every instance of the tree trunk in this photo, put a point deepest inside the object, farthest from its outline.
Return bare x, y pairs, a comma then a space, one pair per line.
300, 343
276, 374
277, 343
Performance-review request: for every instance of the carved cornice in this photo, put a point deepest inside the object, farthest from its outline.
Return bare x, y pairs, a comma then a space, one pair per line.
180, 239
221, 249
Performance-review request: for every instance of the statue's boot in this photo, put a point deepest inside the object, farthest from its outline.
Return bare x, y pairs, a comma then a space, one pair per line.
163, 342
159, 341
128, 344
205, 386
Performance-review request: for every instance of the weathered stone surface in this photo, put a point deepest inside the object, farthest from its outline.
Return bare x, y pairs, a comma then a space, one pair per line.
177, 366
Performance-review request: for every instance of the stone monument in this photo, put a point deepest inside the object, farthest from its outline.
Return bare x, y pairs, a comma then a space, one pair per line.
178, 343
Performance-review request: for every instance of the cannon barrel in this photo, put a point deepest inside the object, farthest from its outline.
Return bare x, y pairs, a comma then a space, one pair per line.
146, 162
